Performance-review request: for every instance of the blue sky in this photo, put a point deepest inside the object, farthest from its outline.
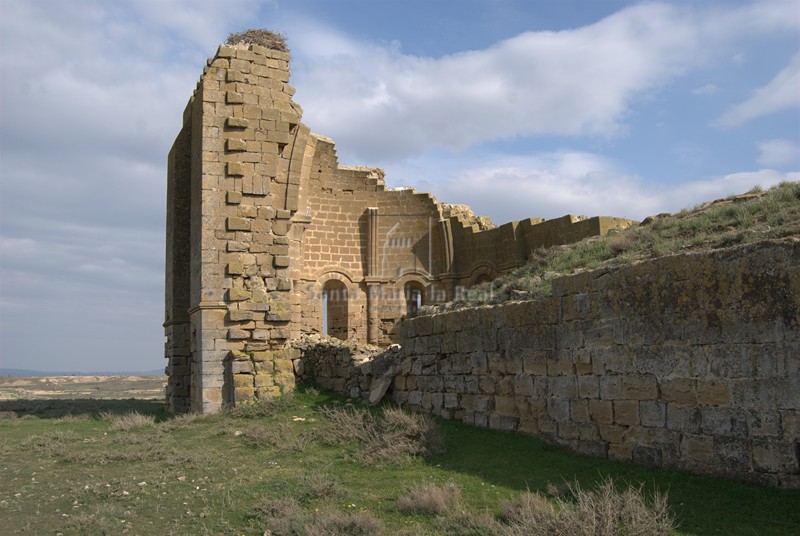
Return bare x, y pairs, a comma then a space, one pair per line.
518, 108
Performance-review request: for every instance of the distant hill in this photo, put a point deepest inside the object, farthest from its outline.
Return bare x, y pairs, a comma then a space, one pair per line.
24, 372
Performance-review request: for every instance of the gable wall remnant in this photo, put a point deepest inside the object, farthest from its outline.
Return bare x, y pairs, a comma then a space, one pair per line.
269, 237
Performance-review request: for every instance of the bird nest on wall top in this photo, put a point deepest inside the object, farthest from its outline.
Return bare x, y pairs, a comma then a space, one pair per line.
262, 37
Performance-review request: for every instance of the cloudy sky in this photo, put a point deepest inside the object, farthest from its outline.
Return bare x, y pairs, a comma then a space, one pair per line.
517, 107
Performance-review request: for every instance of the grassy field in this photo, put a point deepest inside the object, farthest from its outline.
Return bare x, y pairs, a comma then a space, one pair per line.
304, 465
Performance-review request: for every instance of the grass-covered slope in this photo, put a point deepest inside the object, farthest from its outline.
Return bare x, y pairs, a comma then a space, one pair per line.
741, 219
307, 465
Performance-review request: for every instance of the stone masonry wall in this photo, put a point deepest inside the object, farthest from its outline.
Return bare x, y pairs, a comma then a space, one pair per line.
689, 361
495, 251
233, 184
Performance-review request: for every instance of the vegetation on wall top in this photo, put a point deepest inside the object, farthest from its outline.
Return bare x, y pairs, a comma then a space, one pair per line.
736, 220
261, 37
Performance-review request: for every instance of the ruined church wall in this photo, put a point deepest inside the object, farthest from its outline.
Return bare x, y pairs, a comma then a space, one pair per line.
336, 242
499, 250
689, 361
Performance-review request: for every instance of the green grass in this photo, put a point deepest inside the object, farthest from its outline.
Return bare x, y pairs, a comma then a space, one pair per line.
278, 466
733, 221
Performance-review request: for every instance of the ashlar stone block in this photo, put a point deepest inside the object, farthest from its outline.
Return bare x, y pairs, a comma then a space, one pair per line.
237, 224
233, 198
233, 97
238, 294
235, 145
236, 122
235, 169
626, 412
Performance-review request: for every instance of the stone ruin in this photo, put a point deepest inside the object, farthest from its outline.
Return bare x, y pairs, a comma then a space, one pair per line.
269, 238
284, 266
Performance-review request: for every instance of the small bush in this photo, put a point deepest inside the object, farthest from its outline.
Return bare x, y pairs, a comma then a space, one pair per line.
281, 516
71, 418
261, 37
463, 522
179, 422
393, 435
334, 523
600, 512
285, 517
128, 421
430, 499
316, 485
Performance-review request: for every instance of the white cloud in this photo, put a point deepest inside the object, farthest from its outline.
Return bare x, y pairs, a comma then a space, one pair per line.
203, 22
707, 89
553, 184
378, 103
781, 93
573, 82
779, 152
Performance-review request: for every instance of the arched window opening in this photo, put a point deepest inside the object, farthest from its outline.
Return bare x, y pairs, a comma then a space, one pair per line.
415, 297
334, 309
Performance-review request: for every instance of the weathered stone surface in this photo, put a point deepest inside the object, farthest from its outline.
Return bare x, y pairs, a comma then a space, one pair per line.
238, 294
238, 224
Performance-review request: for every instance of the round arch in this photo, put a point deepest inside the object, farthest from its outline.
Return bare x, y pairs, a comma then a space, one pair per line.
482, 273
333, 303
412, 288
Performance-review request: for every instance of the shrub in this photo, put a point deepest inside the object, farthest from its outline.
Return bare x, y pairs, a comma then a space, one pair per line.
430, 499
285, 517
334, 523
277, 436
316, 485
281, 516
393, 435
179, 422
128, 421
71, 418
600, 512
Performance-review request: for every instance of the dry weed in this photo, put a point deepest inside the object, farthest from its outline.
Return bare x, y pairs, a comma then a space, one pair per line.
316, 485
600, 512
127, 421
277, 436
281, 516
391, 436
179, 422
71, 418
335, 523
430, 499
